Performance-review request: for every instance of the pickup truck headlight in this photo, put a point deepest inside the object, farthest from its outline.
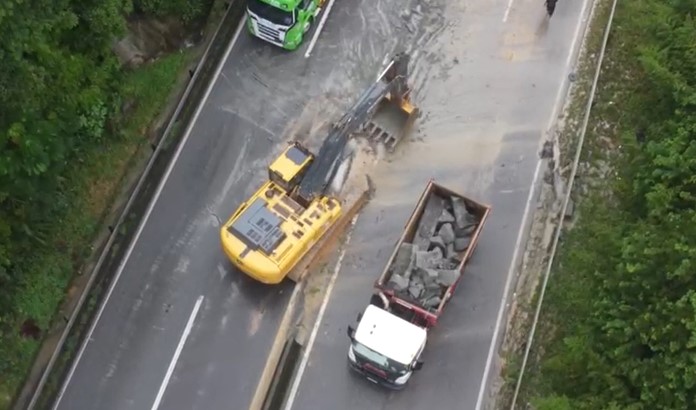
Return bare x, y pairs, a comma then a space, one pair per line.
403, 379
351, 355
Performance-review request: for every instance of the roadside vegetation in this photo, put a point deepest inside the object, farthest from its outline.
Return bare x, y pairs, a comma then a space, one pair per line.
71, 120
618, 326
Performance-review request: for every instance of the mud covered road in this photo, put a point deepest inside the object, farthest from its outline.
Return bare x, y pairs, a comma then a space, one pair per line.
181, 328
490, 78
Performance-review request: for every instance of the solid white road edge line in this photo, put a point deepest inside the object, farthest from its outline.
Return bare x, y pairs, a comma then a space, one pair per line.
177, 352
305, 356
319, 28
507, 10
558, 104
566, 199
147, 214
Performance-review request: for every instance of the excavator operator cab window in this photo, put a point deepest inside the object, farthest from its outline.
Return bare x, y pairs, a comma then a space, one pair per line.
289, 168
278, 180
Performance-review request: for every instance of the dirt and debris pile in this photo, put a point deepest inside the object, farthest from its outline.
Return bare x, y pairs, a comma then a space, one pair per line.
424, 269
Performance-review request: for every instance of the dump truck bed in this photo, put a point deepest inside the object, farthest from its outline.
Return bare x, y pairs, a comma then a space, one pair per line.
430, 257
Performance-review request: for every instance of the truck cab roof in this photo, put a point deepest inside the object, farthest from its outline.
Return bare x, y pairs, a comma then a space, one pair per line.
390, 335
284, 4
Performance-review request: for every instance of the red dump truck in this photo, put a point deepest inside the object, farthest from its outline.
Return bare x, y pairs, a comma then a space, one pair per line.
420, 277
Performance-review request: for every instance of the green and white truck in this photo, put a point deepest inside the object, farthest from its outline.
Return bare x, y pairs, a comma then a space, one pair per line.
282, 22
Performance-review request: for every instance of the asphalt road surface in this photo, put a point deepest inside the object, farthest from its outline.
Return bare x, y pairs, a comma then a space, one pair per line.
181, 328
491, 81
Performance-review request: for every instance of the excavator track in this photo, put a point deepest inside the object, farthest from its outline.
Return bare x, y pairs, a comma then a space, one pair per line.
330, 240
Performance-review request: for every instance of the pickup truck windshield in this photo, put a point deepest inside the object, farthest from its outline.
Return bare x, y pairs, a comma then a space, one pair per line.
272, 14
379, 359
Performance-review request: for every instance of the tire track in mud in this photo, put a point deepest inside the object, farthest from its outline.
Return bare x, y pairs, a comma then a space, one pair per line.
430, 26
333, 80
433, 32
385, 29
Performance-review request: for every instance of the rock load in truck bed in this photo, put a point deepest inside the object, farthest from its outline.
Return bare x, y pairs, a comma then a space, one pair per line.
424, 269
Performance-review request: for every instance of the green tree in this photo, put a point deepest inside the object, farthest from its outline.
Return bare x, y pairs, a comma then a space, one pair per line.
187, 10
627, 322
56, 91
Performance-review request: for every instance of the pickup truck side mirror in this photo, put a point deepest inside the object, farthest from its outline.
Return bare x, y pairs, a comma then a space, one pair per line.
417, 365
351, 332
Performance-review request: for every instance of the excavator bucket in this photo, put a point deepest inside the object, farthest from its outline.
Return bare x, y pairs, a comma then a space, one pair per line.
391, 121
395, 113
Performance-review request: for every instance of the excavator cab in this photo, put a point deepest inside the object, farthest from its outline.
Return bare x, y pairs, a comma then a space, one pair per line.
290, 167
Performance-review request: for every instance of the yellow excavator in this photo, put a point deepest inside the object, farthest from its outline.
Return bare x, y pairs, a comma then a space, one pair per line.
292, 212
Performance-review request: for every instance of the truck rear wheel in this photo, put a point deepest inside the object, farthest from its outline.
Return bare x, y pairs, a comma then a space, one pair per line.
377, 301
308, 26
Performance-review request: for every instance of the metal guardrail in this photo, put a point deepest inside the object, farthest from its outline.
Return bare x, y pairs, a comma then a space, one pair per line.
566, 200
486, 397
200, 77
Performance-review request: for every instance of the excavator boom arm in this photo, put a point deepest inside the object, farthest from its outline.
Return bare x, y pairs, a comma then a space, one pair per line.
390, 84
